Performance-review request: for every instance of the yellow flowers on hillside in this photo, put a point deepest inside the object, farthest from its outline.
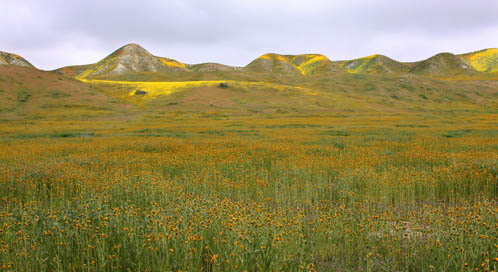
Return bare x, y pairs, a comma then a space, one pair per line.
171, 63
155, 89
484, 61
306, 64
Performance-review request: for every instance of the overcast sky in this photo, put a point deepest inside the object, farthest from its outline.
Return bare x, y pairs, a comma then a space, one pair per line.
55, 33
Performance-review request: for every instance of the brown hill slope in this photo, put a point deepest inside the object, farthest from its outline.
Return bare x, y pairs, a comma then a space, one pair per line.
27, 93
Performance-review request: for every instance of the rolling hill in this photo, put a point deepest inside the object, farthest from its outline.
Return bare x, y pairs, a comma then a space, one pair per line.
211, 67
27, 93
375, 64
443, 64
131, 58
484, 60
306, 64
271, 84
133, 61
13, 59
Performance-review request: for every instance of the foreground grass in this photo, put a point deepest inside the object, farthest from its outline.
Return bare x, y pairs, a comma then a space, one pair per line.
270, 196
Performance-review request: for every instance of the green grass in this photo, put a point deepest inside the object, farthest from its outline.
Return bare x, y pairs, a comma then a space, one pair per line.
23, 96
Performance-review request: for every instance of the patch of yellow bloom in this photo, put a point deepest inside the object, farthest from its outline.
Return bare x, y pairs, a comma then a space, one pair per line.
484, 61
171, 63
155, 89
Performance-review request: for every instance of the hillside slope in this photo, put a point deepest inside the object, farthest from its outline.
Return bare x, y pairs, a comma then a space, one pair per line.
484, 60
13, 59
131, 58
74, 70
27, 93
306, 64
443, 64
374, 64
211, 67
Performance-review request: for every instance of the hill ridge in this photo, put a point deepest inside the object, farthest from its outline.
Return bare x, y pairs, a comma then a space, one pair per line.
132, 58
443, 64
374, 64
13, 59
304, 64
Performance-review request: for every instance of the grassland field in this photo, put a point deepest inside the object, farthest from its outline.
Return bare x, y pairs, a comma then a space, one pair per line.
344, 193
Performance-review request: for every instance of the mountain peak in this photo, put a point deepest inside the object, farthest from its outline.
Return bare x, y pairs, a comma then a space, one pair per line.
131, 47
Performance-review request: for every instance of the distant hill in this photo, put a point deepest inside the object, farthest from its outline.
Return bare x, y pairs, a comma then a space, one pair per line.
210, 67
272, 63
375, 64
132, 58
311, 64
484, 60
443, 64
13, 59
306, 64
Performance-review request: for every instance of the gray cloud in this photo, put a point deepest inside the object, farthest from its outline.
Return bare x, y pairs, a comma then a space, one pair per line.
55, 33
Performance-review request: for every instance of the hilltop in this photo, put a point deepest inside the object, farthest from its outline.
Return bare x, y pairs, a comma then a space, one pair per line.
131, 58
443, 64
375, 64
13, 59
305, 64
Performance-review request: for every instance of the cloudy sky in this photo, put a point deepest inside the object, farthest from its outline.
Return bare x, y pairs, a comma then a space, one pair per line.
55, 33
